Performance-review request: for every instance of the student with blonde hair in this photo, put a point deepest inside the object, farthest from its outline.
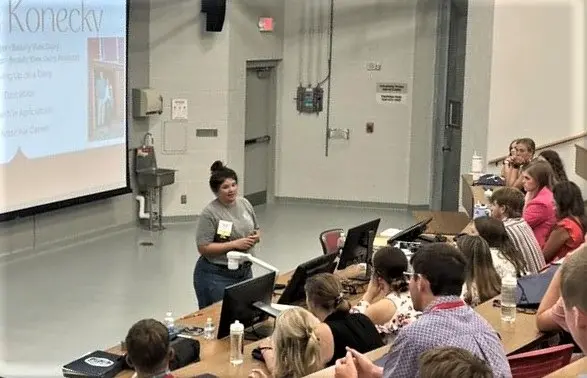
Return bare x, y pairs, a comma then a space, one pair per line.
294, 349
339, 328
335, 329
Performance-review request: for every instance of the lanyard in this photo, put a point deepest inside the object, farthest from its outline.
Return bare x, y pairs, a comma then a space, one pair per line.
447, 305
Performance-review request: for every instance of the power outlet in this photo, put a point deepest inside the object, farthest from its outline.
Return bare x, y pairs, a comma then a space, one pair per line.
370, 127
183, 199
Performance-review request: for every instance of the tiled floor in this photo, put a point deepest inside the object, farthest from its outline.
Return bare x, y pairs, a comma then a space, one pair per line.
61, 304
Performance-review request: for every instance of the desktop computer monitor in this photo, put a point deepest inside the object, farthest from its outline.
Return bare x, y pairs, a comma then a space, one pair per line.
239, 299
294, 291
358, 246
411, 233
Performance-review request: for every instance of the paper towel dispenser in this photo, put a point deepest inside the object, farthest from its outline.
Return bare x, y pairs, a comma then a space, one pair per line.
146, 102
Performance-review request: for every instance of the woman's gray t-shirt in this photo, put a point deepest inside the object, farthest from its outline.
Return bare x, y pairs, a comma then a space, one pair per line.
242, 216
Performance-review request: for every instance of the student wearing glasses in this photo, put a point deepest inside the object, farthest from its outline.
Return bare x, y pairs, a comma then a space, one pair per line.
436, 284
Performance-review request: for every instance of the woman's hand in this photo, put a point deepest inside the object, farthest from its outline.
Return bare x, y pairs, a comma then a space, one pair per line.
243, 244
257, 373
373, 290
345, 367
256, 235
266, 343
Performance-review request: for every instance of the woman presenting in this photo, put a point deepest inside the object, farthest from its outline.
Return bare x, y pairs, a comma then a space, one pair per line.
228, 223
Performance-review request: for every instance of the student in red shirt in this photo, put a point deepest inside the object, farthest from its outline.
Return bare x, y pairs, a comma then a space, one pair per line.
148, 351
569, 232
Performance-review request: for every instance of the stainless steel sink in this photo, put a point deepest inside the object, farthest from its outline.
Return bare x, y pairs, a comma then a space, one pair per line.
155, 177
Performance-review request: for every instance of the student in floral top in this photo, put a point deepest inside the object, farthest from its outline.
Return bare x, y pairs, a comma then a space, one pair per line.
148, 351
394, 309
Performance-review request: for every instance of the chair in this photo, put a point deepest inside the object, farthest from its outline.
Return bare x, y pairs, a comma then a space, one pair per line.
329, 240
538, 363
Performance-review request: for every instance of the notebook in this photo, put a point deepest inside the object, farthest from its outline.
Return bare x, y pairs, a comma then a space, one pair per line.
97, 364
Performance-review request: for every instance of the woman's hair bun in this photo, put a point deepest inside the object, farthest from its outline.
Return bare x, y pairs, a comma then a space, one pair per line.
216, 166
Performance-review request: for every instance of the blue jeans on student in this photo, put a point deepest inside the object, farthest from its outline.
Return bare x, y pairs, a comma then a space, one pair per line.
211, 279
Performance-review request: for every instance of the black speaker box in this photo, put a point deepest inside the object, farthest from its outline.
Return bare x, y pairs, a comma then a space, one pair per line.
215, 13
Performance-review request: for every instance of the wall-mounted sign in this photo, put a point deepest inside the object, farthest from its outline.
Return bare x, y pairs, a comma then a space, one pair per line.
391, 93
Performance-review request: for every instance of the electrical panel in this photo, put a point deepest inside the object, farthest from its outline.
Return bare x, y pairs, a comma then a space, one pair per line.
310, 99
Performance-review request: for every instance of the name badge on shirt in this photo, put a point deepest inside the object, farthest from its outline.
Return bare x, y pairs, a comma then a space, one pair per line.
224, 229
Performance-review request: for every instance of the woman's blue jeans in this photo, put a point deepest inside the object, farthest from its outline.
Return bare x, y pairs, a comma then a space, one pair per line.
210, 280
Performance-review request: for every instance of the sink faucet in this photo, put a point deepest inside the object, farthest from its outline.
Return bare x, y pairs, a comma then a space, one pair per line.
148, 137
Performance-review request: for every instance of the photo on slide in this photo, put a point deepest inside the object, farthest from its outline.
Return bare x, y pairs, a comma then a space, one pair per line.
106, 89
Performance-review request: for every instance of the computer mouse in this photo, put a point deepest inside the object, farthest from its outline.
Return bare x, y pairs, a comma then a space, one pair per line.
257, 355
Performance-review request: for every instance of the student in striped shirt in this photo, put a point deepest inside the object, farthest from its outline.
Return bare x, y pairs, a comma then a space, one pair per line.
507, 205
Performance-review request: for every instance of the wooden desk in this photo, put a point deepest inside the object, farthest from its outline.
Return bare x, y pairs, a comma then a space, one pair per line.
571, 370
214, 354
472, 194
581, 161
517, 336
443, 222
373, 355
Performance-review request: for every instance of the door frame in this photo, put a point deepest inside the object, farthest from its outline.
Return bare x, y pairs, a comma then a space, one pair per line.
273, 66
440, 105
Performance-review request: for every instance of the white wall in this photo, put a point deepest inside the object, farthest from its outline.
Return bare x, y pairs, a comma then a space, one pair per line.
541, 94
248, 44
477, 81
369, 167
525, 76
207, 69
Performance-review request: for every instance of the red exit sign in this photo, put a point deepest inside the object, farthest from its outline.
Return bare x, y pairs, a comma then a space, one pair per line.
266, 24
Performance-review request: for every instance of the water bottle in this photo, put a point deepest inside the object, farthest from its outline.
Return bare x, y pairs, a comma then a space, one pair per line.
509, 286
209, 329
476, 166
169, 322
237, 331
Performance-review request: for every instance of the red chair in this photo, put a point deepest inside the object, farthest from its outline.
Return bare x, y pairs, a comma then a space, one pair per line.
539, 363
329, 240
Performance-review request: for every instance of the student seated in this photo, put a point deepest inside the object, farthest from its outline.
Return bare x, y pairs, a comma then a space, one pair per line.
339, 328
550, 316
506, 257
556, 163
481, 280
509, 160
539, 202
507, 205
446, 321
574, 295
525, 149
395, 309
293, 351
148, 351
569, 232
451, 362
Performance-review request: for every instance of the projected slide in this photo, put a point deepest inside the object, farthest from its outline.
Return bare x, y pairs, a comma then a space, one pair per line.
62, 100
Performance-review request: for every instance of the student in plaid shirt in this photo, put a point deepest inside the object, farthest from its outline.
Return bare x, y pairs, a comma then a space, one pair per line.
446, 321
